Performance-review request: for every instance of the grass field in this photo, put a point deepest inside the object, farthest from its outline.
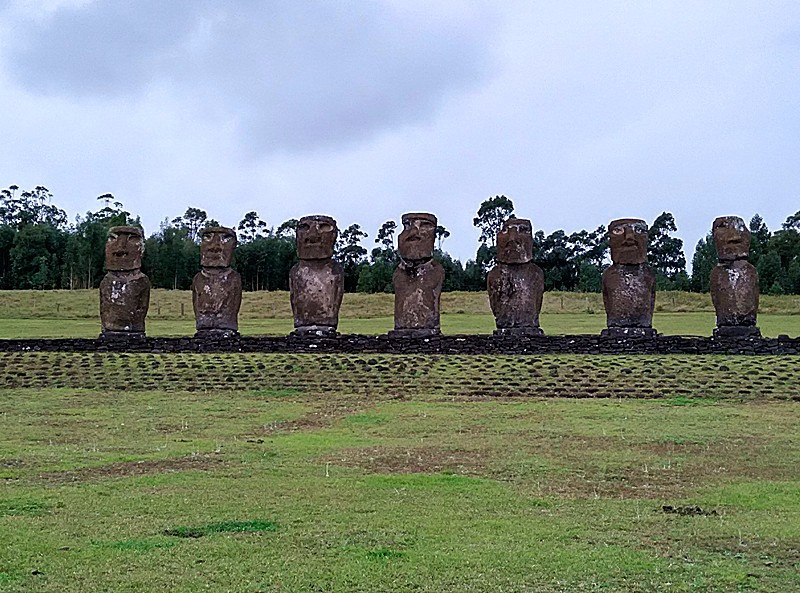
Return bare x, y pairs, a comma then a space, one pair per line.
253, 473
258, 472
58, 314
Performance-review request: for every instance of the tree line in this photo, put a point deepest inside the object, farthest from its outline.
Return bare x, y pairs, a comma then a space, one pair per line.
40, 249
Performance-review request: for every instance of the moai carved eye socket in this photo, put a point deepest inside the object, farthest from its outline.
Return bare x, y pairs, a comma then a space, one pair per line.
618, 230
640, 229
207, 237
426, 225
325, 227
303, 227
226, 238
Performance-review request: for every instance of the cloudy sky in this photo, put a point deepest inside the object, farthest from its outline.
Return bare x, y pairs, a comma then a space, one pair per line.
579, 111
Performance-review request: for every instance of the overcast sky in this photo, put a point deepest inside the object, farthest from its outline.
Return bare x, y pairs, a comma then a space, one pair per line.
580, 112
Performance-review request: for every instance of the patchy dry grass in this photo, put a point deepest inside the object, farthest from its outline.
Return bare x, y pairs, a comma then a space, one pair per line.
177, 304
243, 473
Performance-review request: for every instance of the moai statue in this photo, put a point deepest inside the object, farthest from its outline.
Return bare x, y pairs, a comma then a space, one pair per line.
316, 282
124, 291
516, 284
217, 288
417, 279
629, 285
734, 280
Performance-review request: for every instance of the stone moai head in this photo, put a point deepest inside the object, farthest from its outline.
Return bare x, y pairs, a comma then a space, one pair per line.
416, 240
316, 237
124, 248
217, 245
731, 238
515, 241
627, 238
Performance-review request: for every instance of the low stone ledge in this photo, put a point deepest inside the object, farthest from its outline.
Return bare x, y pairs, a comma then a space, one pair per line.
453, 344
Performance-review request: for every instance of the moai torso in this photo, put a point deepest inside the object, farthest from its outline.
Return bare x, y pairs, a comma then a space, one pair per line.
734, 292
629, 285
316, 288
217, 298
418, 279
516, 284
217, 288
124, 290
734, 280
316, 282
124, 300
629, 295
515, 294
417, 292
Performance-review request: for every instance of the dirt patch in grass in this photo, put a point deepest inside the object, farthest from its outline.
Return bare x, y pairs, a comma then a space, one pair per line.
135, 468
406, 460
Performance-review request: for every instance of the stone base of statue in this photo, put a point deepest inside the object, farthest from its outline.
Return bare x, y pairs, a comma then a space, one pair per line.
314, 331
415, 333
628, 332
518, 331
737, 331
118, 337
216, 334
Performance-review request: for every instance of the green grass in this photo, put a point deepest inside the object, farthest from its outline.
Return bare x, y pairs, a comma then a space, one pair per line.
698, 323
262, 472
177, 304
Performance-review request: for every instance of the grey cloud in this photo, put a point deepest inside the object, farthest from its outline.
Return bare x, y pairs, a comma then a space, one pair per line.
289, 75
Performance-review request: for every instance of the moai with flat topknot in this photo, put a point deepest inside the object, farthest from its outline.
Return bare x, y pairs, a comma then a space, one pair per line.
417, 280
125, 290
217, 288
734, 280
516, 284
629, 285
316, 282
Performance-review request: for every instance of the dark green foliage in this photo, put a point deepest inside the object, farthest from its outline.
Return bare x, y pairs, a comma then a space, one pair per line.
38, 250
350, 254
265, 262
704, 260
665, 252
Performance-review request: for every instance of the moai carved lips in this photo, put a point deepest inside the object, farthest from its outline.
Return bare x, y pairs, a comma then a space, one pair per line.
515, 241
627, 238
415, 242
516, 284
217, 245
418, 279
217, 288
629, 285
734, 280
124, 290
316, 282
731, 238
316, 237
124, 248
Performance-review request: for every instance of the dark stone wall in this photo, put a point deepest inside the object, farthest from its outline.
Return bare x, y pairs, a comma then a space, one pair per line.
463, 344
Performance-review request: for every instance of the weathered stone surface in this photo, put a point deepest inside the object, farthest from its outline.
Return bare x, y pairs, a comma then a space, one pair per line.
418, 279
458, 344
734, 280
316, 237
125, 290
415, 242
516, 284
515, 241
217, 288
629, 285
316, 282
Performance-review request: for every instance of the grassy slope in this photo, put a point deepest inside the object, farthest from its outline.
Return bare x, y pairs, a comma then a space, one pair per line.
32, 314
166, 304
350, 473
